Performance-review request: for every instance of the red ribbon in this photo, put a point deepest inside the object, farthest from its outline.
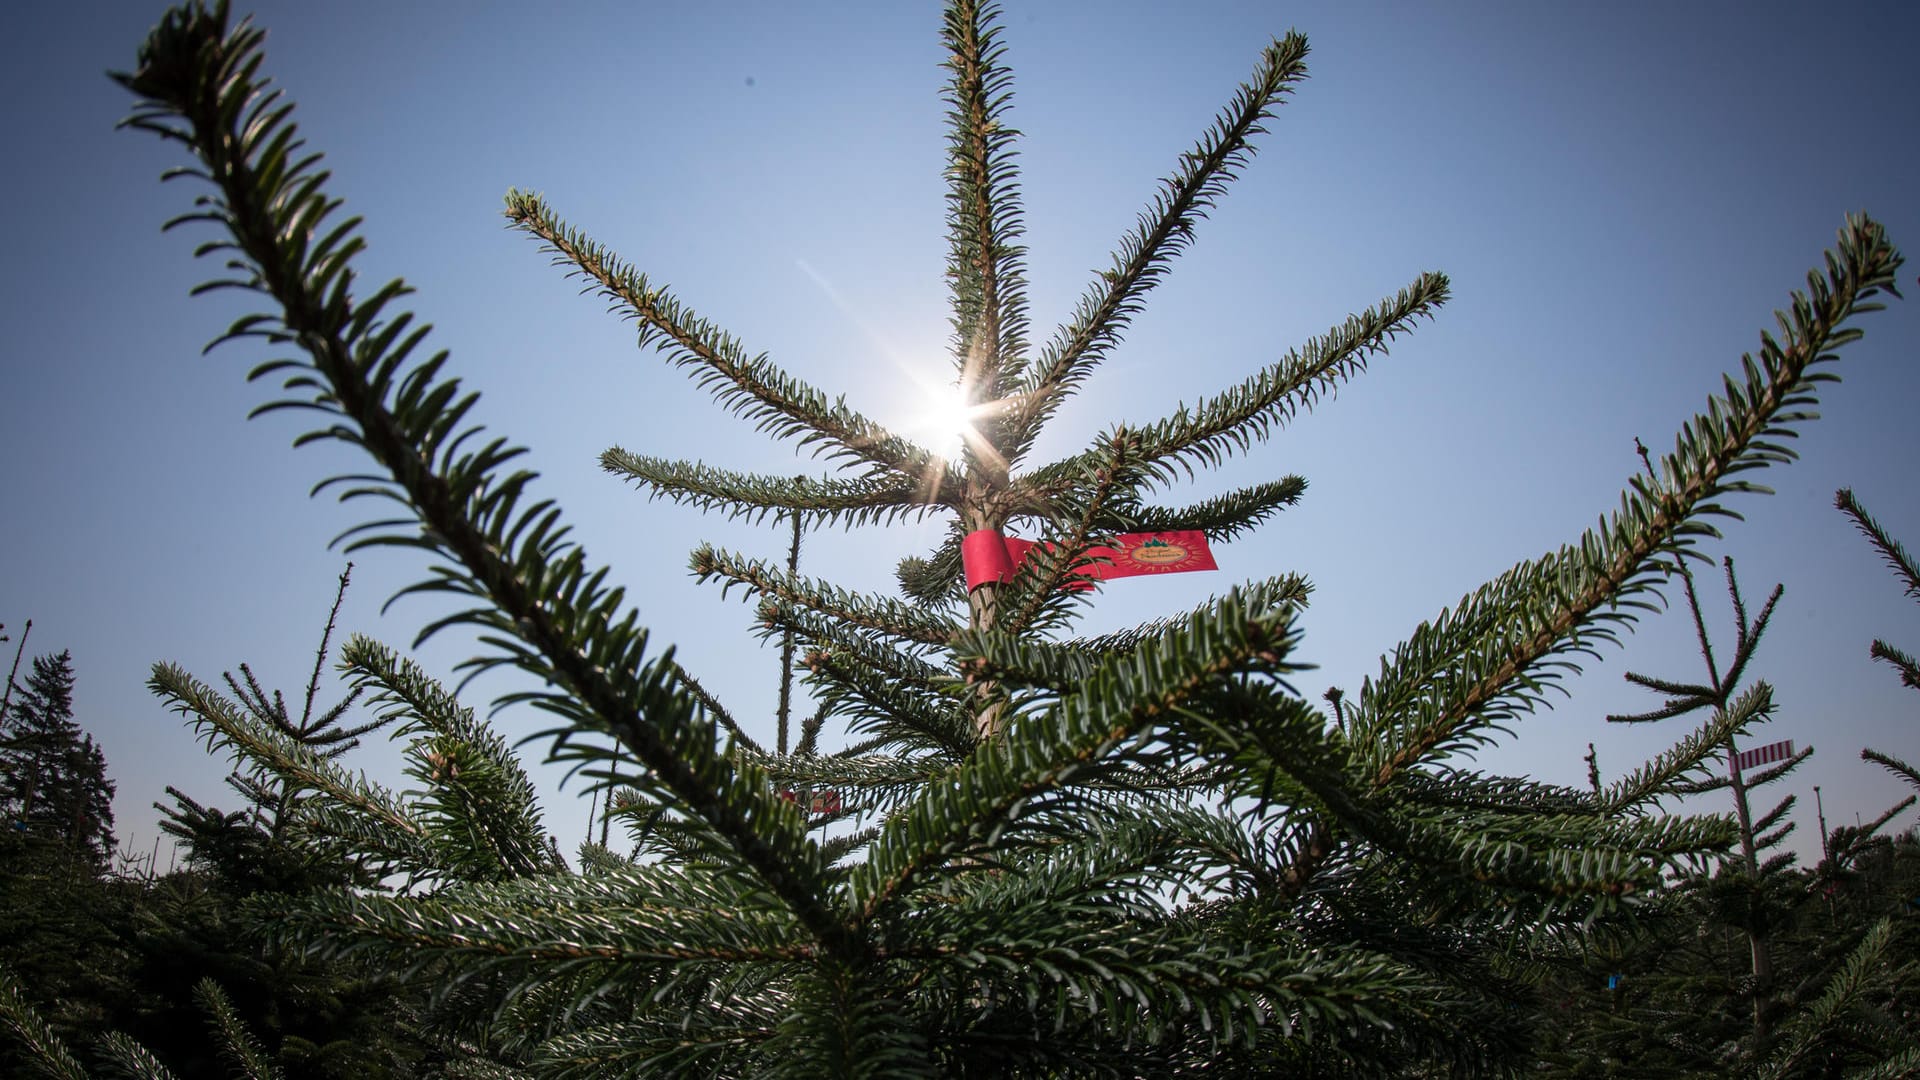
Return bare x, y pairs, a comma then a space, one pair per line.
988, 556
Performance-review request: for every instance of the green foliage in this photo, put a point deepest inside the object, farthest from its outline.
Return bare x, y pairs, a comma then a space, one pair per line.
62, 933
244, 1053
45, 1052
129, 1059
1138, 854
1840, 943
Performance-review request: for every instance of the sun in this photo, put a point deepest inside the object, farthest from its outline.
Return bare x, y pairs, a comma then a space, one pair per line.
946, 421
952, 422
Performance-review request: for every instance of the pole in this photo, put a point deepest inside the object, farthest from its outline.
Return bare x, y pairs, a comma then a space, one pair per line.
1820, 809
786, 647
22, 647
593, 803
606, 811
1826, 853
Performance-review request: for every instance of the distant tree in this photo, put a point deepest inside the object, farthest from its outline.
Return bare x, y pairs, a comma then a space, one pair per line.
246, 849
203, 951
161, 960
1732, 711
1671, 999
1750, 965
60, 917
56, 785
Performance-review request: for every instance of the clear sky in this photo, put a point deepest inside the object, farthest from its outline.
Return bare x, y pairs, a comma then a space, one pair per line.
1621, 193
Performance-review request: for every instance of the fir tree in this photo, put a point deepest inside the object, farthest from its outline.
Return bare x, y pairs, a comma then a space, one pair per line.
1136, 854
1752, 894
1732, 712
157, 956
60, 913
1754, 936
245, 848
204, 953
56, 786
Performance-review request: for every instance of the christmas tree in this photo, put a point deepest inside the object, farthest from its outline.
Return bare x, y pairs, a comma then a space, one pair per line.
1141, 853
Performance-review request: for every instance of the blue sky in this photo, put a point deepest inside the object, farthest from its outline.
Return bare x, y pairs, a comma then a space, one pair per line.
1622, 195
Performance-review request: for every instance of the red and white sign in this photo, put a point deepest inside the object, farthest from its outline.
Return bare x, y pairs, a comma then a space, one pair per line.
990, 556
1761, 755
816, 801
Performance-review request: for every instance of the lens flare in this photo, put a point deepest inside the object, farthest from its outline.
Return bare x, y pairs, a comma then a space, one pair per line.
948, 422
